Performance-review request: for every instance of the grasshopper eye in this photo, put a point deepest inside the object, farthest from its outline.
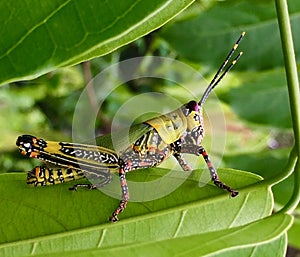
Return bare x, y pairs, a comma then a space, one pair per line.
192, 106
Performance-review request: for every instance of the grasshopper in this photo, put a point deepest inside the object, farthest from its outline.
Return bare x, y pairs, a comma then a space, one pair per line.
151, 142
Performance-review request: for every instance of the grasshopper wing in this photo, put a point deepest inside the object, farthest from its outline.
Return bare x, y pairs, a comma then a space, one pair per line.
122, 139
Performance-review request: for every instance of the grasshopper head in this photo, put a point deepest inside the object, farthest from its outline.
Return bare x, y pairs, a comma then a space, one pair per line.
194, 119
193, 111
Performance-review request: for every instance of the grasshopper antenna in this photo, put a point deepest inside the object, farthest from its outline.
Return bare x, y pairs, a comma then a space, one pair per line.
217, 78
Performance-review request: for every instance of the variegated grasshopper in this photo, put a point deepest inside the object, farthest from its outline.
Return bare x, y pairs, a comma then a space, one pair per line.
153, 141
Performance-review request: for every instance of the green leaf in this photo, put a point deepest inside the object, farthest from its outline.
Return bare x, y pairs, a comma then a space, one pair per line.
269, 249
209, 34
265, 163
266, 96
41, 36
294, 232
187, 212
268, 164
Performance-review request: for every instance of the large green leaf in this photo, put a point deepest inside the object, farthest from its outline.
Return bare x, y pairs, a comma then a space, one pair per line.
40, 36
206, 37
190, 213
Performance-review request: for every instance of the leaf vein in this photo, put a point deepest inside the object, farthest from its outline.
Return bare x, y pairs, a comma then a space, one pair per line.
101, 238
236, 217
182, 217
29, 31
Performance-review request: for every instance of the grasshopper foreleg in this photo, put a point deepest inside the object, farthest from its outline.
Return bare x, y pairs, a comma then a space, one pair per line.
176, 147
182, 162
199, 150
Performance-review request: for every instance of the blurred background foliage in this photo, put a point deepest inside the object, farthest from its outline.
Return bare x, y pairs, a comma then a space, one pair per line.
254, 95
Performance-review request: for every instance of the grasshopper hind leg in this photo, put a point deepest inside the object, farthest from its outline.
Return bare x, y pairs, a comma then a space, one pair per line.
125, 196
132, 161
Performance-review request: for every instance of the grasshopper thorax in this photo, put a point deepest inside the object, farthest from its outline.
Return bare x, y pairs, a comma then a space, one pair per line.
185, 120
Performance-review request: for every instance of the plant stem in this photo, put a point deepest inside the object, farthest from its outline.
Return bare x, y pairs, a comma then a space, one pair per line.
294, 94
292, 166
